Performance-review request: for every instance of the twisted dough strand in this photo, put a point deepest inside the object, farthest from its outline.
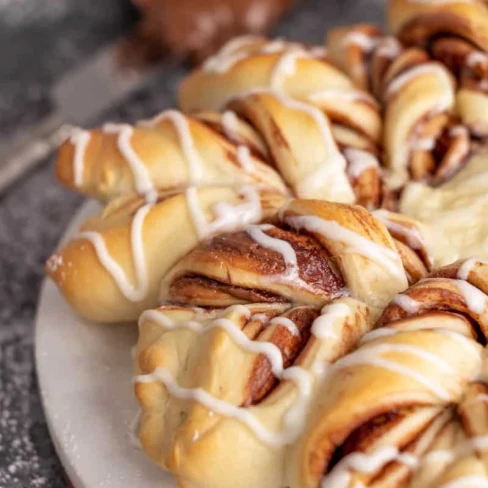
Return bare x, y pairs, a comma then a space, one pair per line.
422, 139
407, 407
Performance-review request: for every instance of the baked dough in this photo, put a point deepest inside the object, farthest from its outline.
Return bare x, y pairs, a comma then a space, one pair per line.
110, 271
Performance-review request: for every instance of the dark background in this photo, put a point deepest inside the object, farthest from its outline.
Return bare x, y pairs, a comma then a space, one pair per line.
39, 41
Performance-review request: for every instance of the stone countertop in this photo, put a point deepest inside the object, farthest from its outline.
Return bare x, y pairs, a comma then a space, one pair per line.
39, 40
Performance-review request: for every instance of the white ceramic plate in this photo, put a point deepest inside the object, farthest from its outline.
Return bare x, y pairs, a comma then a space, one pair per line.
85, 373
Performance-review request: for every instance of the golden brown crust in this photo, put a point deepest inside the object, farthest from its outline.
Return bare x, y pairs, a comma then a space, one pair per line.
418, 22
150, 249
238, 268
183, 436
456, 34
175, 150
385, 395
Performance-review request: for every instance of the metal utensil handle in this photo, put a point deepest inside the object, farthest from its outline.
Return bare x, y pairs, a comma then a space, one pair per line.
29, 148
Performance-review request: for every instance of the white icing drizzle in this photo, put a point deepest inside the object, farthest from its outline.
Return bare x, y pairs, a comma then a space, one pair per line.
363, 463
424, 144
359, 161
340, 476
349, 95
130, 291
378, 334
142, 178
227, 217
276, 45
287, 323
182, 127
468, 266
285, 66
294, 418
323, 325
260, 317
367, 42
434, 69
230, 123
245, 159
412, 236
280, 246
467, 481
458, 130
332, 169
80, 139
475, 58
468, 344
407, 303
353, 243
389, 47
475, 299
229, 54
369, 356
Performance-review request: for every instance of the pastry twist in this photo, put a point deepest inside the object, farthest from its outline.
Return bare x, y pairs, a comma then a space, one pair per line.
175, 151
225, 392
170, 152
110, 271
296, 92
456, 34
408, 407
422, 138
312, 253
262, 289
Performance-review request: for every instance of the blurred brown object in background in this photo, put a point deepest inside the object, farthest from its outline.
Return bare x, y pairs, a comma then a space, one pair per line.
197, 28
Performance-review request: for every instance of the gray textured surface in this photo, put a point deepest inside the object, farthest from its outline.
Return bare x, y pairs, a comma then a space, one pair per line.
39, 40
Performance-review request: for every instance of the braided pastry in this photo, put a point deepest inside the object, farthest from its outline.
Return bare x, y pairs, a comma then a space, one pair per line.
315, 255
171, 151
110, 270
293, 90
312, 253
456, 33
422, 139
253, 230
215, 426
408, 407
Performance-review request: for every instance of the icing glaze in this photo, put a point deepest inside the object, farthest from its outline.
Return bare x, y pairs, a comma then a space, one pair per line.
407, 303
367, 42
293, 419
332, 169
80, 139
285, 66
291, 274
359, 161
134, 293
230, 123
142, 179
468, 266
182, 127
371, 355
425, 69
340, 476
323, 325
227, 217
287, 324
349, 95
353, 243
245, 159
